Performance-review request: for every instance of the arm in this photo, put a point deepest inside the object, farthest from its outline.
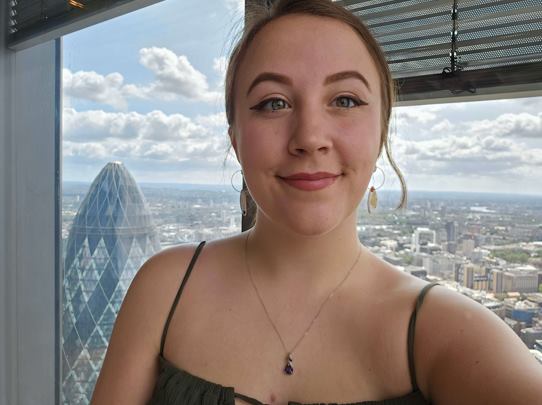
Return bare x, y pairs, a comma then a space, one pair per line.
475, 357
130, 366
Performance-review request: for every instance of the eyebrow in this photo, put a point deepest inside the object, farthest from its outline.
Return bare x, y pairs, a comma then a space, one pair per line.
348, 74
276, 77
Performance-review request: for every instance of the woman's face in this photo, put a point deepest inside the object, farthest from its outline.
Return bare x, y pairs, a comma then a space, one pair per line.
307, 100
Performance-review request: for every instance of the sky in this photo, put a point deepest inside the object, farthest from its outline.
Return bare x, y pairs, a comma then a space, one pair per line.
147, 89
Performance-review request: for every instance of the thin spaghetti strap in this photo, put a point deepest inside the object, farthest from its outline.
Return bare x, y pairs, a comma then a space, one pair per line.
172, 310
411, 331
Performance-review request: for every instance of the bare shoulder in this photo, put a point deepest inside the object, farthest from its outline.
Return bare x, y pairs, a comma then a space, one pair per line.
161, 275
463, 352
130, 367
403, 287
154, 287
468, 355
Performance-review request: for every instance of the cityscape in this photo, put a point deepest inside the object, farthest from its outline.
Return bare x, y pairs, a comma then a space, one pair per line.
485, 246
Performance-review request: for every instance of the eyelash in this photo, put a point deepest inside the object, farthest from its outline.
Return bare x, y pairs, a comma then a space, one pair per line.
260, 106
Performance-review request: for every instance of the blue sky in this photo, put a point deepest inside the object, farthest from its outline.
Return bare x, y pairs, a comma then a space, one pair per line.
147, 89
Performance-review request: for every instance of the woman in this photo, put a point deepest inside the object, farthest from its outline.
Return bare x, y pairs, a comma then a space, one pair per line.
296, 309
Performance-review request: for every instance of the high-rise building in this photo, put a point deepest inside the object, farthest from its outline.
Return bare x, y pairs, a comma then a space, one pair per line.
440, 264
496, 277
523, 281
111, 236
451, 231
473, 276
422, 237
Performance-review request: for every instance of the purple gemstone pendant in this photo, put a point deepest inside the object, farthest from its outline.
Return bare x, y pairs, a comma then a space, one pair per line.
289, 369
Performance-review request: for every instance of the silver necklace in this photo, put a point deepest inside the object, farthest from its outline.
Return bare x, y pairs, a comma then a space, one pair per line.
289, 368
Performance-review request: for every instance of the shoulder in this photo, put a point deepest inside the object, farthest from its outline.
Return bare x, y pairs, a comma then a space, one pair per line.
131, 363
163, 270
156, 283
401, 287
466, 354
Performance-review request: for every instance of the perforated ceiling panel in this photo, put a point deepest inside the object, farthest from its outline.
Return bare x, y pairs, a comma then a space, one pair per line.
34, 21
441, 48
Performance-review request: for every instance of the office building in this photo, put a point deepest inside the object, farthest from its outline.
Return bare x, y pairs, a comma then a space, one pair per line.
111, 236
422, 237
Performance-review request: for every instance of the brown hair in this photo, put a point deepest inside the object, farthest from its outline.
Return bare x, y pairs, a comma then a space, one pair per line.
259, 17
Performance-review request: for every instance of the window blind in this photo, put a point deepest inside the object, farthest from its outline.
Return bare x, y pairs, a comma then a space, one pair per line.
35, 21
440, 49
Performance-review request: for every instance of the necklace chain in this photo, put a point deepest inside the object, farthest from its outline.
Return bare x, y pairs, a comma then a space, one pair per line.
290, 353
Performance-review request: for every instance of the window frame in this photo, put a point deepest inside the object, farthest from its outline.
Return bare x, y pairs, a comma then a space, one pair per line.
59, 26
31, 265
31, 79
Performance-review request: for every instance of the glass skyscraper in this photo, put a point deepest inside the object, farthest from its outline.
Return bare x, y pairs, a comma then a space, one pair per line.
111, 237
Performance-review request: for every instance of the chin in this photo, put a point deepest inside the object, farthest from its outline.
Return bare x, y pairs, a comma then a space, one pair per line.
307, 225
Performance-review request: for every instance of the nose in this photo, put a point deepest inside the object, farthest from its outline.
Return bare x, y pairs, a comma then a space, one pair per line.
310, 132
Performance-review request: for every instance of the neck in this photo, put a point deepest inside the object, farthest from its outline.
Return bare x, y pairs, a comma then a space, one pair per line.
285, 260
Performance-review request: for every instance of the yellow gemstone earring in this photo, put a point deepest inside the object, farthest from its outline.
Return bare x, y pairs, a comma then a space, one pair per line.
372, 199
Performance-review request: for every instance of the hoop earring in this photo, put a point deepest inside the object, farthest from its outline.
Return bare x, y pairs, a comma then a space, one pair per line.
372, 199
243, 194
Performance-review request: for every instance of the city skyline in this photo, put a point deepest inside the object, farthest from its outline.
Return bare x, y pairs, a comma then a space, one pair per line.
227, 186
488, 248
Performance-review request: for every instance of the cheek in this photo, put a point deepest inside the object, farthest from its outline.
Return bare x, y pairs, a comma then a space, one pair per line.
260, 145
259, 154
360, 140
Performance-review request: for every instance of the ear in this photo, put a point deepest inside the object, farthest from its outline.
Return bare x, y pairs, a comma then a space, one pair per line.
233, 141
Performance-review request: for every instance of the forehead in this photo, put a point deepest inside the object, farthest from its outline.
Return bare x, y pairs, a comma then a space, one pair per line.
305, 46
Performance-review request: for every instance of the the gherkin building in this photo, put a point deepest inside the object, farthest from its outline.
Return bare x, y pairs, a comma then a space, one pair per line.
111, 237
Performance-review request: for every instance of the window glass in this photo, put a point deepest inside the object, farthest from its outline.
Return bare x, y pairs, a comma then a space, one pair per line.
144, 149
474, 216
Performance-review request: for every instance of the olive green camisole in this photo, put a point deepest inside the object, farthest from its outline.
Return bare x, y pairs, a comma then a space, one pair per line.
176, 386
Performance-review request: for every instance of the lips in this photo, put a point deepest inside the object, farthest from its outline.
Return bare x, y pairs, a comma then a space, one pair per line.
310, 176
310, 181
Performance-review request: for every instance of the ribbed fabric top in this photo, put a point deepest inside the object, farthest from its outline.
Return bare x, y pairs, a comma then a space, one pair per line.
176, 386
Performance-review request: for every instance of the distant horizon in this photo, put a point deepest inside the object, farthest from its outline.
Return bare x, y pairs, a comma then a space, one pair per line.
386, 190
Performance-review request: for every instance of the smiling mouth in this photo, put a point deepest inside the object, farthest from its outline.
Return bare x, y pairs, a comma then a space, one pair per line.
307, 184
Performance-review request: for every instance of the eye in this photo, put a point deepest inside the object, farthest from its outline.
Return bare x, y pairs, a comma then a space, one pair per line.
348, 102
271, 104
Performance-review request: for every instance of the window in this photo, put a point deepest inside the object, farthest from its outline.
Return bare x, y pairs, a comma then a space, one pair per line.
474, 218
494, 239
144, 121
145, 140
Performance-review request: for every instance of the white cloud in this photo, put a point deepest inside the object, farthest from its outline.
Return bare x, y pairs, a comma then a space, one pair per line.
466, 156
489, 146
152, 136
92, 86
175, 76
413, 116
521, 125
443, 126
